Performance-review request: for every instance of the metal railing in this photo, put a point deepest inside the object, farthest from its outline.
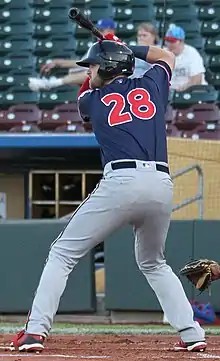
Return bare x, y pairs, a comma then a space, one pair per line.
199, 196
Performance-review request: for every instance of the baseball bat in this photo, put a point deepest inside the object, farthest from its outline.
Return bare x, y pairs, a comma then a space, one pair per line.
82, 20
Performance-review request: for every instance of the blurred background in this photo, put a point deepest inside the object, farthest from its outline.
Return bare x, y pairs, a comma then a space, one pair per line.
49, 163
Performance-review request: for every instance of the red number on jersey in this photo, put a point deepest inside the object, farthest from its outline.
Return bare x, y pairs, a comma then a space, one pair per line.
140, 106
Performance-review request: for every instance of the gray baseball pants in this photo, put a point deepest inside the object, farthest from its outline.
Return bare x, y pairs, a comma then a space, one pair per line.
139, 196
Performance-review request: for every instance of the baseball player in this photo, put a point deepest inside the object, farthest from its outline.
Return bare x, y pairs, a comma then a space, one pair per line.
127, 117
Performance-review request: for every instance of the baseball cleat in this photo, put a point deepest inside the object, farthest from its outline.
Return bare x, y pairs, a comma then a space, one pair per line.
26, 342
198, 346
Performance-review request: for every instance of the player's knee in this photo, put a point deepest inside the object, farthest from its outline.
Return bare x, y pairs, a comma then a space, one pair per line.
62, 255
146, 266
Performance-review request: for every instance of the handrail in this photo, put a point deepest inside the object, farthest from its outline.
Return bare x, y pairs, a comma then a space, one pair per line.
199, 196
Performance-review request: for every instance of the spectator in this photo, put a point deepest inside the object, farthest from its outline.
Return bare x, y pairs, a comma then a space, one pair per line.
147, 34
76, 74
189, 68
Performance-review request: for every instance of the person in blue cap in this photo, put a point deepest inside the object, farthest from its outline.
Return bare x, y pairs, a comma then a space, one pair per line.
76, 74
189, 68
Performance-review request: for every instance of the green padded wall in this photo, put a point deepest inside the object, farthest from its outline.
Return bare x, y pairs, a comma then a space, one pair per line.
207, 245
24, 249
126, 287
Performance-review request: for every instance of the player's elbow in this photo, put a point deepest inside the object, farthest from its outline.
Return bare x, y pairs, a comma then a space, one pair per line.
169, 58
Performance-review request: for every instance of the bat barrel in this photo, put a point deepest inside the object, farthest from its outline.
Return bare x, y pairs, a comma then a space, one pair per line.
73, 13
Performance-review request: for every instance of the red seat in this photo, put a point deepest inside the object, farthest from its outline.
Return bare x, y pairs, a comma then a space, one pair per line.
64, 114
172, 131
70, 128
210, 134
20, 115
25, 128
197, 116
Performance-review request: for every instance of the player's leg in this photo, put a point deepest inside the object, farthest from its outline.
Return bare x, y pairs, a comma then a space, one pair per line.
104, 212
151, 232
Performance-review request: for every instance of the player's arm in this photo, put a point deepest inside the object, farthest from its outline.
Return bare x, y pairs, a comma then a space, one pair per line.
153, 54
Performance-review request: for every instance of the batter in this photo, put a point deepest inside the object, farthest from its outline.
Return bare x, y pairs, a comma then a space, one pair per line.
128, 119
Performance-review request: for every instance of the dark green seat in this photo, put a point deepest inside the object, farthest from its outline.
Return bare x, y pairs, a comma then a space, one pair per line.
141, 3
212, 45
50, 14
176, 13
209, 12
214, 79
16, 4
197, 42
172, 2
210, 28
125, 29
195, 94
53, 55
123, 13
18, 29
52, 3
80, 33
140, 14
83, 46
96, 14
43, 30
16, 16
16, 78
50, 99
17, 44
55, 44
214, 63
18, 95
19, 61
122, 2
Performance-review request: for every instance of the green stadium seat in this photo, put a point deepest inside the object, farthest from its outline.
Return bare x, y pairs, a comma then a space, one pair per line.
176, 13
125, 29
123, 14
212, 45
15, 16
15, 78
18, 95
50, 14
17, 44
198, 42
195, 94
16, 4
214, 79
140, 14
54, 55
96, 14
209, 12
122, 2
50, 99
171, 2
191, 28
210, 28
55, 44
141, 3
91, 4
19, 61
80, 33
18, 29
47, 30
214, 63
83, 46
52, 3
206, 2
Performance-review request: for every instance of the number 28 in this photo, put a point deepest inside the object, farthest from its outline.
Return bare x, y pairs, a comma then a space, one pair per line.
140, 106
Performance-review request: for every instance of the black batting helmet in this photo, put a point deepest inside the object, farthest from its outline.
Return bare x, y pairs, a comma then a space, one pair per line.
114, 59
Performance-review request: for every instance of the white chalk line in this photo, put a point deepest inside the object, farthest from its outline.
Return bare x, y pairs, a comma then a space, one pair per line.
21, 355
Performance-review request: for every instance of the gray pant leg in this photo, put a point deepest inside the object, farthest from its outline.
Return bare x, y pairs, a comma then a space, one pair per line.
106, 210
151, 235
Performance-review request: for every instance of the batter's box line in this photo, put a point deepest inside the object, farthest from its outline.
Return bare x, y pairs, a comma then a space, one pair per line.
56, 356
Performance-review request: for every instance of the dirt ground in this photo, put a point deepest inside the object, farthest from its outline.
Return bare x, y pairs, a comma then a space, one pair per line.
110, 347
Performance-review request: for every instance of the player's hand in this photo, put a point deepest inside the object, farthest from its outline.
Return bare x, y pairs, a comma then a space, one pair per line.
37, 84
113, 37
46, 68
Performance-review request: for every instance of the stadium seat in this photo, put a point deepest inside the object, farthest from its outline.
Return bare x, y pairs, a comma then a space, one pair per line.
140, 14
121, 2
170, 114
17, 61
195, 94
82, 46
177, 13
51, 15
62, 115
18, 29
172, 131
171, 2
53, 55
214, 79
70, 128
20, 115
55, 44
15, 16
122, 13
15, 78
16, 95
47, 30
80, 33
50, 99
197, 116
212, 45
210, 29
17, 44
210, 134
25, 128
16, 4
197, 42
191, 28
141, 3
52, 3
125, 29
214, 63
96, 14
209, 12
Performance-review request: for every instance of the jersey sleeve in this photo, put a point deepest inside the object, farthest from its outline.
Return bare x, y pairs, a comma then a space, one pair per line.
84, 105
161, 75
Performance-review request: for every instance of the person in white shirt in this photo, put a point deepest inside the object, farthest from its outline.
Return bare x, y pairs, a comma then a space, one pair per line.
189, 67
147, 35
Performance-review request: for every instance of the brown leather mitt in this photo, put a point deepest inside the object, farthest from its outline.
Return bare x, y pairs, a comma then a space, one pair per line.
201, 273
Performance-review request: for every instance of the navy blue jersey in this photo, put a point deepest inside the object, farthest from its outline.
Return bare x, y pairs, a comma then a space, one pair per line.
128, 116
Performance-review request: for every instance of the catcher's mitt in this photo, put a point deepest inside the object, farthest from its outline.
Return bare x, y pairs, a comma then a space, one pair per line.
201, 273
